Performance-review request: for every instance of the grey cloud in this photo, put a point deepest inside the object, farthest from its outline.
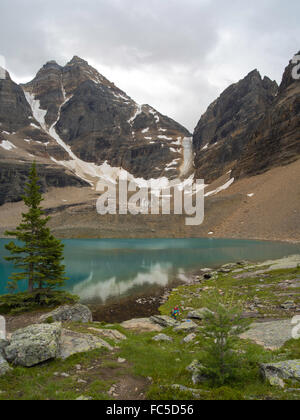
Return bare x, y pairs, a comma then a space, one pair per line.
184, 52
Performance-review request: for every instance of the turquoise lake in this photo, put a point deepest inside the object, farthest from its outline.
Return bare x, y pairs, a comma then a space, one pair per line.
101, 270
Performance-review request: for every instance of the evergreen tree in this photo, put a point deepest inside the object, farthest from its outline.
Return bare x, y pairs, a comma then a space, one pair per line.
38, 254
222, 327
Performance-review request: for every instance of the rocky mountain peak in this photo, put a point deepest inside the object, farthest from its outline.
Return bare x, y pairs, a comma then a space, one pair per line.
275, 140
77, 60
78, 71
254, 75
94, 122
4, 74
224, 130
14, 109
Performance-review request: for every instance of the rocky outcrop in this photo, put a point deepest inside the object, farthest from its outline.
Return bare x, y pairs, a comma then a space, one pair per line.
73, 343
197, 369
15, 111
14, 175
227, 127
164, 321
46, 88
68, 313
141, 325
199, 313
4, 366
186, 327
288, 370
271, 335
276, 139
34, 344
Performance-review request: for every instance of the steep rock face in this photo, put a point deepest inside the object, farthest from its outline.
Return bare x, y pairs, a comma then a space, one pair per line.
227, 126
14, 109
46, 88
14, 175
276, 140
101, 123
22, 141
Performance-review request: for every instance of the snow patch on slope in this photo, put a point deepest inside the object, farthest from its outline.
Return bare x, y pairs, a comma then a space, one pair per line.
222, 188
38, 113
137, 112
188, 156
7, 145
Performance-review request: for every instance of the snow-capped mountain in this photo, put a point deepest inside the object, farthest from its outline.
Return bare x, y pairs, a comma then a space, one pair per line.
77, 122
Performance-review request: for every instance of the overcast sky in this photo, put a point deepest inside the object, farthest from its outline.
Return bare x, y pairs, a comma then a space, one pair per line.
176, 55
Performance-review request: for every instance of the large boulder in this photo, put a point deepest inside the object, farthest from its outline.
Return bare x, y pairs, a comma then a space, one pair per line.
141, 325
289, 369
271, 335
188, 326
4, 366
3, 345
164, 321
74, 342
34, 344
69, 313
199, 313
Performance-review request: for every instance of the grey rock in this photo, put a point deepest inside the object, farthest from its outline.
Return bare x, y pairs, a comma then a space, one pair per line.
199, 313
34, 344
164, 321
189, 338
288, 305
69, 313
271, 335
197, 369
188, 326
114, 335
4, 366
3, 345
141, 325
162, 337
289, 370
275, 381
74, 342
